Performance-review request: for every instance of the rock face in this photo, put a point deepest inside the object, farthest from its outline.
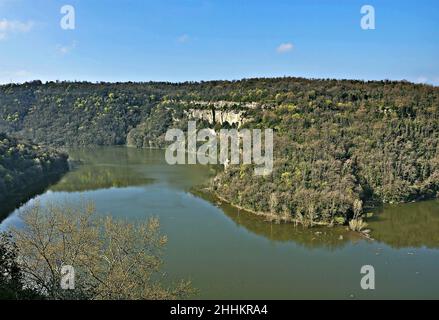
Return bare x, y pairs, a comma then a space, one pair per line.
174, 114
230, 117
223, 104
219, 112
236, 118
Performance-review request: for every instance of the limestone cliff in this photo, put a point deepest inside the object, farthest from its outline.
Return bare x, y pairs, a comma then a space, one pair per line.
174, 114
234, 118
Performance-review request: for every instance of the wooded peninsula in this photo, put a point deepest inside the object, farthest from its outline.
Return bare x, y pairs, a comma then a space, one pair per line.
340, 146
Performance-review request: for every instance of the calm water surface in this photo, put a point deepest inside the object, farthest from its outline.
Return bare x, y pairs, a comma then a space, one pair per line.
229, 253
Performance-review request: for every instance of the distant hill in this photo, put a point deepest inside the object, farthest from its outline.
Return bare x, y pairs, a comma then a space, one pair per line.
339, 144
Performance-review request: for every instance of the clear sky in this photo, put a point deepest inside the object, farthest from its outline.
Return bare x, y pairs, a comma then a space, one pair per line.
179, 40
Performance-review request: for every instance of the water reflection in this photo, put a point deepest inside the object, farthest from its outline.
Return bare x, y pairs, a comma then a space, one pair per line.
407, 225
414, 225
99, 169
109, 167
93, 177
323, 237
14, 201
231, 254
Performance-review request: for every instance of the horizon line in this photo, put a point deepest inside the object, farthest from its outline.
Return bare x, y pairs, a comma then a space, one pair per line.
221, 80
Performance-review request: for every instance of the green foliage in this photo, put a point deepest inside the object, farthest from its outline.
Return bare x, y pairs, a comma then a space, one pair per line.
11, 278
151, 133
337, 142
331, 156
23, 164
357, 225
112, 260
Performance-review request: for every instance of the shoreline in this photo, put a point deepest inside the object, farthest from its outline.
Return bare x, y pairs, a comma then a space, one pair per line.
16, 198
270, 217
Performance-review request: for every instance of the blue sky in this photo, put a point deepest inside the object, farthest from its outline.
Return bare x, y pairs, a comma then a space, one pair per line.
179, 40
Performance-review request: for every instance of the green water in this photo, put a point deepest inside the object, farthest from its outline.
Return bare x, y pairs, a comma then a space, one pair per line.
229, 253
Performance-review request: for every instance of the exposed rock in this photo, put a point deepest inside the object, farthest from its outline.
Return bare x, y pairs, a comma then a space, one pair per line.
213, 116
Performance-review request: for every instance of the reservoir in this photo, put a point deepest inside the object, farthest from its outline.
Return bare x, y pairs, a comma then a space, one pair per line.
231, 254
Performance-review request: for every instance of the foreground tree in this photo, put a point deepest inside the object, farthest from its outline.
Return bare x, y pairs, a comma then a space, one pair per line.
11, 281
111, 259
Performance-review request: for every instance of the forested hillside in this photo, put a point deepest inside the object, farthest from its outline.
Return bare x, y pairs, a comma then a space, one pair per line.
23, 165
338, 144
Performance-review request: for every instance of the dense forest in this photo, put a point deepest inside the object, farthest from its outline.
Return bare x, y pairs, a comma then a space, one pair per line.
23, 165
340, 145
